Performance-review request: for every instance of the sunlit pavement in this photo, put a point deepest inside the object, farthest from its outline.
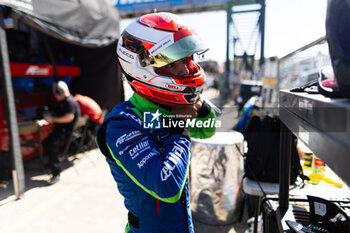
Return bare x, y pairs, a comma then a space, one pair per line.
84, 200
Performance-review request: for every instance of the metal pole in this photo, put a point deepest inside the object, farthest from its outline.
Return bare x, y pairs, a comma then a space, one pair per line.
226, 89
17, 168
228, 24
262, 31
234, 50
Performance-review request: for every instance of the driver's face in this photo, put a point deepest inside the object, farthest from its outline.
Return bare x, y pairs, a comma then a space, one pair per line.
177, 68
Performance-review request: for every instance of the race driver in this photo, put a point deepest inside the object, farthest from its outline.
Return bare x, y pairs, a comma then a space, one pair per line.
148, 159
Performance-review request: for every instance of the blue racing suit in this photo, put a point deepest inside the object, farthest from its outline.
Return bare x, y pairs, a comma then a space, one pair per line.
150, 167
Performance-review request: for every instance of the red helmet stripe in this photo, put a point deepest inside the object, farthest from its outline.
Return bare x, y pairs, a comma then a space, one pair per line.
153, 78
158, 22
167, 96
183, 33
147, 45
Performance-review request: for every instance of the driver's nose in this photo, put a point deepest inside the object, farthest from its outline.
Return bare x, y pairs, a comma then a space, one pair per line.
181, 68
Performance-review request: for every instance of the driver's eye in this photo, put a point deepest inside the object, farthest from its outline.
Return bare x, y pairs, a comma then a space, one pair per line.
171, 65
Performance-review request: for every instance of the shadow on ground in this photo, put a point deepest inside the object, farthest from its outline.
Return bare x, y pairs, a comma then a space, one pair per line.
36, 176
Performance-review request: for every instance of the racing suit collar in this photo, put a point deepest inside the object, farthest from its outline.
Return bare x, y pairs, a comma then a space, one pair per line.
146, 105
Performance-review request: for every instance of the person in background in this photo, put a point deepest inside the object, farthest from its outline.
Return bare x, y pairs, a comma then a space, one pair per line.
63, 114
150, 162
91, 108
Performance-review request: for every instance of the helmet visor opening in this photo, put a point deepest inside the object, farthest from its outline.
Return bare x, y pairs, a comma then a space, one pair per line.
182, 48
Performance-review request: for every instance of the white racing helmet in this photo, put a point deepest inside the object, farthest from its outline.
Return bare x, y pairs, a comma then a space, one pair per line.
156, 40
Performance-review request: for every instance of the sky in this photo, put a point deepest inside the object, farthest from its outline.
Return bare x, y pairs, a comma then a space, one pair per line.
290, 24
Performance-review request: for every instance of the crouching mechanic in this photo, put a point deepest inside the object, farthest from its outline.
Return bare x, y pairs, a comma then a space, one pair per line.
149, 159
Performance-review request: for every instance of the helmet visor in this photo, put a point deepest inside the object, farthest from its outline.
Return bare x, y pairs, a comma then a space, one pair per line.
182, 48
